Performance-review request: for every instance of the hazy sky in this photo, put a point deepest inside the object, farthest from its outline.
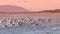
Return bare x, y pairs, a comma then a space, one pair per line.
33, 4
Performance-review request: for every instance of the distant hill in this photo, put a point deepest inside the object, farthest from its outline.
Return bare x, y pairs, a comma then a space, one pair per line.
50, 11
9, 8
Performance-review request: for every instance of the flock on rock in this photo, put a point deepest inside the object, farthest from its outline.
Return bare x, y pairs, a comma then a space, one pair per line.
17, 22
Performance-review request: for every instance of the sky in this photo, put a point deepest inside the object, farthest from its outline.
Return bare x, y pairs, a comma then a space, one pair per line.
34, 5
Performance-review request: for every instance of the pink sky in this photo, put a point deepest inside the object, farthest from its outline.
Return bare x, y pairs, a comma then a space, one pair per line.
33, 4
